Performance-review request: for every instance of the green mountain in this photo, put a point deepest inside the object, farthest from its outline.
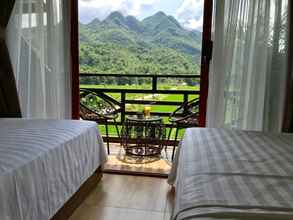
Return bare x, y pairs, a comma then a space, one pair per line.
158, 44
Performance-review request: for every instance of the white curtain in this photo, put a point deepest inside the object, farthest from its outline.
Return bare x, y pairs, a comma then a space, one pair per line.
38, 42
249, 67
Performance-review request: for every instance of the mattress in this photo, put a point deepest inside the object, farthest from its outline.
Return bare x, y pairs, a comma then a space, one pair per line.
232, 174
43, 163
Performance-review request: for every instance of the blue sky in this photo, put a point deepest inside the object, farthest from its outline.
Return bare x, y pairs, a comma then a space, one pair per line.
187, 12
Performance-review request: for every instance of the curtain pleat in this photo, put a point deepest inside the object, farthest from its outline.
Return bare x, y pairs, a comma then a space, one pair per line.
249, 66
39, 43
9, 103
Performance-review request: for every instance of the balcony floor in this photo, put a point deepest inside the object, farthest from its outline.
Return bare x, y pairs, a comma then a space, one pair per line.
117, 163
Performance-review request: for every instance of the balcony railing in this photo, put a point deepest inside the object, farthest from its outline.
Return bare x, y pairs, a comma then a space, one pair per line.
154, 89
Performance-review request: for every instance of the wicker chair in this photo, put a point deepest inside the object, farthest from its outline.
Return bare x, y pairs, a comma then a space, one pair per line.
185, 116
95, 107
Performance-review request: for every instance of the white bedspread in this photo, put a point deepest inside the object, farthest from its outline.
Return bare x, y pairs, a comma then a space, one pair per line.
229, 174
43, 163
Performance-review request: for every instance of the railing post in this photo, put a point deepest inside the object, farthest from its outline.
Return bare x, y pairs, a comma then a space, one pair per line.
154, 83
122, 107
185, 99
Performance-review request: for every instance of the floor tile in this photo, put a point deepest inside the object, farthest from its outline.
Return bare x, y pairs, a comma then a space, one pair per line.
146, 193
110, 213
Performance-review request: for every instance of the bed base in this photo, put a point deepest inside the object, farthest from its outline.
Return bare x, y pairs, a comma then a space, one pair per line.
75, 201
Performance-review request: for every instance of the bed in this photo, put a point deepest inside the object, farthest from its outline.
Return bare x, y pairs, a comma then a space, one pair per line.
232, 174
43, 163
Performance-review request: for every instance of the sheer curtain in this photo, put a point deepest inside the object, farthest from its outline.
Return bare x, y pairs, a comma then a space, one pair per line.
249, 67
38, 43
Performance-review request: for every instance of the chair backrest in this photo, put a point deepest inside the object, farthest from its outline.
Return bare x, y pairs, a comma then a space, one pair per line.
188, 108
192, 106
93, 103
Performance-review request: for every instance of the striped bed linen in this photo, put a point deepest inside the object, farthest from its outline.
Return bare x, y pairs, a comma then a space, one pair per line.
233, 174
43, 163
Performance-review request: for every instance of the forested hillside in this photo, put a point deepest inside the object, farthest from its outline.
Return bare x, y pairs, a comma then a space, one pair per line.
157, 44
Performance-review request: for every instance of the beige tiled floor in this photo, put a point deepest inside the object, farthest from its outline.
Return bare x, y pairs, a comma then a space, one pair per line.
126, 198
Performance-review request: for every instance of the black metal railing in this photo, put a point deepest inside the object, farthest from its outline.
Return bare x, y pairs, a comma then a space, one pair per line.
123, 101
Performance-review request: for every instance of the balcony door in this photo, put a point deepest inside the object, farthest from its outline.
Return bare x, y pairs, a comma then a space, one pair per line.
204, 68
153, 56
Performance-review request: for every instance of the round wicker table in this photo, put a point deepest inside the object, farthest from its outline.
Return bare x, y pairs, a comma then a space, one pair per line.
143, 136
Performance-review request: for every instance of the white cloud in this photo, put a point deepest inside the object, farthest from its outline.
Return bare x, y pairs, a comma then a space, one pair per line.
194, 24
190, 14
88, 8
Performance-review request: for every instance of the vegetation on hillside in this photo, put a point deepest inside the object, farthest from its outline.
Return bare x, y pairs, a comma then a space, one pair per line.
124, 45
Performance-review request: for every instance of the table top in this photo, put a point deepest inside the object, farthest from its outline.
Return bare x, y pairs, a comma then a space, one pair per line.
137, 118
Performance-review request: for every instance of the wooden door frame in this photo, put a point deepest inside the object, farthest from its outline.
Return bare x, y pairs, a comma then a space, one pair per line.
288, 108
205, 58
74, 58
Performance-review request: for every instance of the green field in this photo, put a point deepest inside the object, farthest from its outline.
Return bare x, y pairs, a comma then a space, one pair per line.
149, 97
